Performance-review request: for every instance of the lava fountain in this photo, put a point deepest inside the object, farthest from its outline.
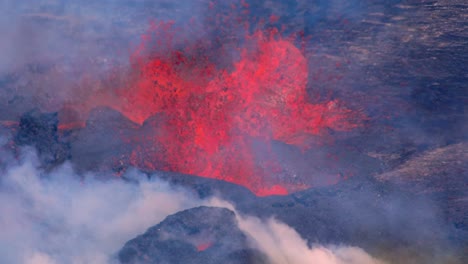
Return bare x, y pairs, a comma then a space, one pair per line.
204, 116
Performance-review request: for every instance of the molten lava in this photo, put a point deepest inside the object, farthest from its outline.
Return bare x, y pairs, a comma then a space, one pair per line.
201, 117
210, 115
204, 246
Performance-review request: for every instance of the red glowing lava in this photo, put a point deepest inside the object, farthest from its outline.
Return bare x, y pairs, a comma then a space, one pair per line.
199, 116
211, 114
204, 246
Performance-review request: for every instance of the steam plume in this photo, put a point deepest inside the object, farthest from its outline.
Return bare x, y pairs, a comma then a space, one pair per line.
55, 217
282, 244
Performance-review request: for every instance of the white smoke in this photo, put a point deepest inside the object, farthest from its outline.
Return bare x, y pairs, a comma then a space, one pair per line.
52, 218
57, 218
283, 245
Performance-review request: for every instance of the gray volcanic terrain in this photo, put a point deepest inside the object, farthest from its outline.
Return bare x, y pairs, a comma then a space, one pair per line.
168, 242
393, 190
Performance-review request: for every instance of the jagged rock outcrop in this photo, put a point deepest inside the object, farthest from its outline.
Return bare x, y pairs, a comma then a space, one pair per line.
40, 130
199, 235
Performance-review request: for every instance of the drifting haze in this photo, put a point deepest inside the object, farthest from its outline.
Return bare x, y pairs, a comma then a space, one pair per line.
60, 217
54, 51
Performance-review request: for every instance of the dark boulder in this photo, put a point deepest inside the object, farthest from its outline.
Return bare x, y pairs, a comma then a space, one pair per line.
40, 130
198, 235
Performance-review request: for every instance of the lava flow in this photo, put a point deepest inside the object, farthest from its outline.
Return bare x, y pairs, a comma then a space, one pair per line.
203, 118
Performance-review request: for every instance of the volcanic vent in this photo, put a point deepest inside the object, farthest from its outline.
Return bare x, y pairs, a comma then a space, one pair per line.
202, 117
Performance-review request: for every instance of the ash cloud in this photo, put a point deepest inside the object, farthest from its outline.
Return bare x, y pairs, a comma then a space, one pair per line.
61, 217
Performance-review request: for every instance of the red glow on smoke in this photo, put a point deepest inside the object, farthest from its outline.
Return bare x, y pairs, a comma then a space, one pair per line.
208, 115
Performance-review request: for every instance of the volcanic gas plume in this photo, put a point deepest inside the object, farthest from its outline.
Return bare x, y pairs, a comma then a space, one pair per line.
210, 114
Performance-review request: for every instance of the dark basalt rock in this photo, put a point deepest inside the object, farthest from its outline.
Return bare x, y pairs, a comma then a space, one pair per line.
441, 173
40, 130
199, 235
362, 211
101, 143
